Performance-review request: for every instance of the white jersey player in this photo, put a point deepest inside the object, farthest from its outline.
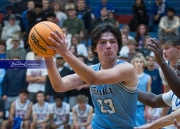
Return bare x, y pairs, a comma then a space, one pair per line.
21, 110
41, 112
60, 112
82, 113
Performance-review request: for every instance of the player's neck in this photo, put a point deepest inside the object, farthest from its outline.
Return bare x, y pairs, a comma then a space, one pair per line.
173, 61
22, 102
150, 67
139, 71
109, 64
41, 103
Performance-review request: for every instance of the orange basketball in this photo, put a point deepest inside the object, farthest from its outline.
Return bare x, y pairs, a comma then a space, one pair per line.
38, 38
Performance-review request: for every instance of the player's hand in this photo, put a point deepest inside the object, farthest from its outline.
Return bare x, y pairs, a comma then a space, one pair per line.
146, 126
61, 46
155, 46
176, 124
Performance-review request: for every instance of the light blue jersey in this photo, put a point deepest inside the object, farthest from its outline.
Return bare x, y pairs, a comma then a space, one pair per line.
115, 105
142, 85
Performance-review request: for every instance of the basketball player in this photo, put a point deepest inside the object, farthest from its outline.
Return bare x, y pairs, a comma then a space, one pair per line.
82, 113
162, 100
113, 82
40, 112
20, 109
60, 113
172, 80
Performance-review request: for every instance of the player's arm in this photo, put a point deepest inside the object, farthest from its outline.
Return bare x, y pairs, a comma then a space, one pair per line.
148, 89
89, 119
163, 121
120, 73
29, 111
12, 111
74, 116
41, 79
151, 99
69, 82
31, 79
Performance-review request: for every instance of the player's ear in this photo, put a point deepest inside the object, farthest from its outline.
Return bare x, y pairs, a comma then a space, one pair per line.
178, 47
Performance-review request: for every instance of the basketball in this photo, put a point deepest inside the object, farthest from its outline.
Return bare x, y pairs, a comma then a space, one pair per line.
38, 38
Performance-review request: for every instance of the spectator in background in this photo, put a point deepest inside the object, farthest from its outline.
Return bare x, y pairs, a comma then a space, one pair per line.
14, 81
50, 16
125, 31
68, 36
144, 84
138, 6
158, 10
10, 28
124, 50
103, 18
36, 79
91, 59
140, 18
112, 16
40, 112
139, 15
16, 50
132, 49
73, 24
63, 72
84, 37
18, 20
9, 42
169, 23
84, 14
38, 9
141, 32
31, 18
81, 48
20, 112
60, 112
2, 50
46, 7
104, 3
30, 6
80, 120
145, 50
58, 10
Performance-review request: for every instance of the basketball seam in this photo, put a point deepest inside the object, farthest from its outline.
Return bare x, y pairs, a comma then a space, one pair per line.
37, 49
41, 37
49, 28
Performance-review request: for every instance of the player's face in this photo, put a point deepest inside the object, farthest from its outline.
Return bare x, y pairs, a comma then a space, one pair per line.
82, 105
169, 51
58, 102
178, 68
23, 97
40, 97
107, 46
150, 61
138, 64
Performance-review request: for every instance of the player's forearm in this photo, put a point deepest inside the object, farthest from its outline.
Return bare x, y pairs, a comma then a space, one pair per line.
81, 69
166, 120
147, 98
172, 79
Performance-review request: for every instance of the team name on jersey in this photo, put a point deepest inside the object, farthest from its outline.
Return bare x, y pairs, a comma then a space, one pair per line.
103, 91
